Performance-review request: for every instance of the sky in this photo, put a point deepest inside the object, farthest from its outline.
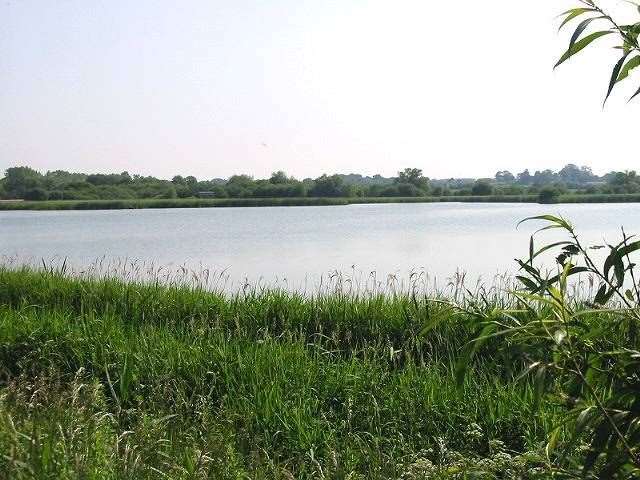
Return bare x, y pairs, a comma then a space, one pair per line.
213, 88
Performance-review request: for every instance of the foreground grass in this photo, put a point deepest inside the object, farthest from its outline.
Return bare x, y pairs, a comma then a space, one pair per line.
104, 379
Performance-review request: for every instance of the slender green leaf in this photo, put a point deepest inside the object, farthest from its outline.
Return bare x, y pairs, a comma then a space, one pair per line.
601, 437
465, 359
539, 383
531, 250
603, 295
557, 221
528, 283
553, 441
626, 70
632, 247
574, 13
610, 261
635, 4
567, 273
581, 45
582, 26
614, 76
618, 270
529, 269
550, 246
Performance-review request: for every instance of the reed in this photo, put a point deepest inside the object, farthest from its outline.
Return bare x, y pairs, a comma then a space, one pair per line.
305, 201
104, 378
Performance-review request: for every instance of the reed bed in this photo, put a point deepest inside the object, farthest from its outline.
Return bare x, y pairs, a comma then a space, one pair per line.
126, 204
104, 377
247, 202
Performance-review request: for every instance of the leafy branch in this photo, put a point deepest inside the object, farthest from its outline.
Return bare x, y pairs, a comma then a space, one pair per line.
628, 35
581, 354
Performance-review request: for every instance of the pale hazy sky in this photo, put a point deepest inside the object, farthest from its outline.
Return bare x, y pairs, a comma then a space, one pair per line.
370, 86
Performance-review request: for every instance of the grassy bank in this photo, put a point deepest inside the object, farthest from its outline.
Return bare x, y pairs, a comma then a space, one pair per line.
103, 379
169, 203
286, 202
238, 202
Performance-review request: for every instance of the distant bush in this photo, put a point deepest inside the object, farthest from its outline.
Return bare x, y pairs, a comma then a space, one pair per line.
277, 190
330, 186
549, 195
36, 194
409, 190
56, 195
482, 187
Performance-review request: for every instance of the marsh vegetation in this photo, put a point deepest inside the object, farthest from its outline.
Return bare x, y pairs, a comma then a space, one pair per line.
103, 378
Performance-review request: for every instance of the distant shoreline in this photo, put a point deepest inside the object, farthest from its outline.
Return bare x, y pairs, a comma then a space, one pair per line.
128, 204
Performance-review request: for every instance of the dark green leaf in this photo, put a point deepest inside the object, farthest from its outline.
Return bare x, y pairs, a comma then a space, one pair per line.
557, 221
582, 26
630, 248
531, 250
568, 272
603, 295
614, 76
581, 45
626, 70
583, 420
610, 261
528, 283
540, 381
571, 249
561, 259
600, 439
573, 13
469, 352
614, 260
600, 295
618, 270
529, 269
550, 246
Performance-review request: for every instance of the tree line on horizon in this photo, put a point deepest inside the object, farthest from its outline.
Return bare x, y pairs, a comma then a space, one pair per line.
26, 183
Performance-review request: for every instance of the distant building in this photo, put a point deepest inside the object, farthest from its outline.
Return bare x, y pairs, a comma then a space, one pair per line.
206, 194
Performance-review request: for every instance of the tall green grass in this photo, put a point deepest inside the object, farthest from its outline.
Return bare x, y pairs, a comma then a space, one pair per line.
106, 379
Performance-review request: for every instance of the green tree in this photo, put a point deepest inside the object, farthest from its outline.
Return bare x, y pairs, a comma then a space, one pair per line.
278, 177
240, 186
524, 178
56, 179
544, 177
18, 180
505, 176
240, 180
574, 175
330, 186
624, 182
414, 177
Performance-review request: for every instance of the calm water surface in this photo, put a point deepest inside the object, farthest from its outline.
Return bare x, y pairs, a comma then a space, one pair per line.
299, 246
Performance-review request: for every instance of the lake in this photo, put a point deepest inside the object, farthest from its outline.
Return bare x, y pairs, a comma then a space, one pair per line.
300, 247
